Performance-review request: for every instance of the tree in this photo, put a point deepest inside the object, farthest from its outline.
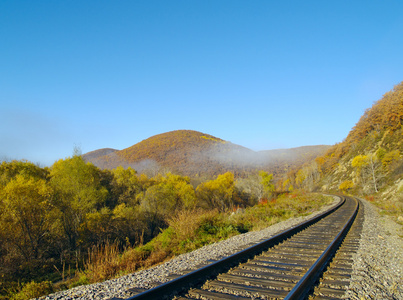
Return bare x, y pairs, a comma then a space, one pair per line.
28, 215
217, 193
170, 194
251, 188
367, 167
266, 181
287, 185
126, 185
389, 157
346, 185
78, 191
129, 224
360, 162
8, 171
307, 176
183, 192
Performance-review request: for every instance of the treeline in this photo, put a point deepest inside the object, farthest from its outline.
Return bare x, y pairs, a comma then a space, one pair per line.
51, 217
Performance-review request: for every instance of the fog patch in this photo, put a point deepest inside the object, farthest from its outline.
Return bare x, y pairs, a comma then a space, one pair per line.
229, 154
148, 166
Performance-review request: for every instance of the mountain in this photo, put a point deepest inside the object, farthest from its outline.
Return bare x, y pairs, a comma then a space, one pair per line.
193, 153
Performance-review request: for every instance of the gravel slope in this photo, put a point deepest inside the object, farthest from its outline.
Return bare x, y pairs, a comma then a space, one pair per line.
377, 272
378, 265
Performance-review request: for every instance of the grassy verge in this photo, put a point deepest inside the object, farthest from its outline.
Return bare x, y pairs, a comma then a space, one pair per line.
188, 230
391, 207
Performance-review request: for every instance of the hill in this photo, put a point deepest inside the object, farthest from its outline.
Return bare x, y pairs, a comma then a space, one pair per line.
193, 153
93, 155
369, 161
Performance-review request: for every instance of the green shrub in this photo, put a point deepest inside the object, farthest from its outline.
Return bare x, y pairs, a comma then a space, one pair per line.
82, 280
34, 290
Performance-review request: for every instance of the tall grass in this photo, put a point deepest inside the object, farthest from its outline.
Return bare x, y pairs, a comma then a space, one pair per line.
103, 262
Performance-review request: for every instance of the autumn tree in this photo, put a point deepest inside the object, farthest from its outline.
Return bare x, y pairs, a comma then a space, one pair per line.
28, 215
170, 194
389, 158
217, 193
346, 185
251, 188
266, 181
78, 191
287, 185
307, 176
130, 224
367, 170
126, 185
8, 170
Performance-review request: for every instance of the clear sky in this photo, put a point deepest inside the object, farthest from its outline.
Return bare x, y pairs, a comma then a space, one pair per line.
261, 74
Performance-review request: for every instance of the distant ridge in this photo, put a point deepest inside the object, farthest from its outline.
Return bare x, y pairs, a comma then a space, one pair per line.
99, 153
194, 153
298, 155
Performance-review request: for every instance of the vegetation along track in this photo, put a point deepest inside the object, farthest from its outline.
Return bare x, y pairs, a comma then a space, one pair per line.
286, 266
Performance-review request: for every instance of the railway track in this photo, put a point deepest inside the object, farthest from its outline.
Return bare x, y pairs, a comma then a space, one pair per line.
287, 266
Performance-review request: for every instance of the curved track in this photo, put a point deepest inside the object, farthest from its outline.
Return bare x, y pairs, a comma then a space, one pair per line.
286, 266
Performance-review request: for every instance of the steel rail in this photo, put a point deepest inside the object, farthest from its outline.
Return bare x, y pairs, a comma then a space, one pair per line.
303, 287
184, 282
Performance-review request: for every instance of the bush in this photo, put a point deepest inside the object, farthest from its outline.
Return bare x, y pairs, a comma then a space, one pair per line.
34, 290
185, 223
346, 185
82, 280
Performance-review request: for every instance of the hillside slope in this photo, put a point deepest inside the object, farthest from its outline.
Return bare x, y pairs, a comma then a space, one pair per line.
369, 161
93, 155
193, 153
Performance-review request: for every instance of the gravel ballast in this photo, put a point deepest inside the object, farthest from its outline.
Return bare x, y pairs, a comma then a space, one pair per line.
377, 268
378, 264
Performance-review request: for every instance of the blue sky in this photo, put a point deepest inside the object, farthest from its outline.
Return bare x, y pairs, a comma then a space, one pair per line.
261, 74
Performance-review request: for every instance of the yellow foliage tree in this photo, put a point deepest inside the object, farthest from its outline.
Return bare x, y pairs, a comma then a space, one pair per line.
266, 181
360, 161
28, 216
367, 169
389, 157
217, 193
346, 185
78, 191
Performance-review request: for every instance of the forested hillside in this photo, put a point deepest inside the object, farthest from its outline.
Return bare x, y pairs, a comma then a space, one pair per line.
193, 153
182, 151
368, 162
